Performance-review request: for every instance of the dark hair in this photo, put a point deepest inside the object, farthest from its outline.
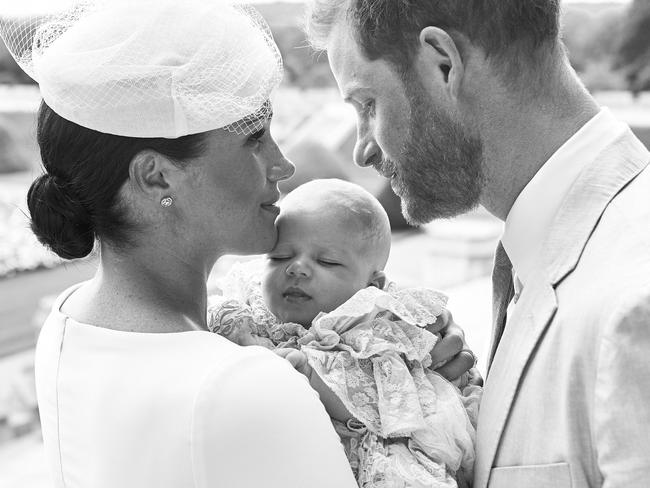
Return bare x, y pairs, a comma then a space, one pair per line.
507, 30
75, 200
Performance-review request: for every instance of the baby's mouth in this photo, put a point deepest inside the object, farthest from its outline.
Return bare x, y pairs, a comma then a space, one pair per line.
295, 294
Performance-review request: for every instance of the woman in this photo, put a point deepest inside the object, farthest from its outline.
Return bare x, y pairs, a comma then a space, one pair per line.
154, 135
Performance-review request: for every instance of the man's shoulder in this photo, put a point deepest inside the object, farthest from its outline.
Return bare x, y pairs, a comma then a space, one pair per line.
623, 231
615, 261
611, 279
634, 198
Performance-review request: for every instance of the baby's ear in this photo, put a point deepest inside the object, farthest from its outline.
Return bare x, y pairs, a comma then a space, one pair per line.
378, 279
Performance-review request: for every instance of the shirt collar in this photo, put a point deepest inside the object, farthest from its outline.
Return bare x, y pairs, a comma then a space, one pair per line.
532, 214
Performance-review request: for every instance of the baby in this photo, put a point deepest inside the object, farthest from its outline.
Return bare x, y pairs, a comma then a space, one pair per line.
366, 344
333, 240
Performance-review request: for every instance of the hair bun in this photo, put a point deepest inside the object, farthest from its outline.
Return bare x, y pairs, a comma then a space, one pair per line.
60, 220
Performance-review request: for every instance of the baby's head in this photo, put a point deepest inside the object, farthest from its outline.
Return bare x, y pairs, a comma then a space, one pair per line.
333, 240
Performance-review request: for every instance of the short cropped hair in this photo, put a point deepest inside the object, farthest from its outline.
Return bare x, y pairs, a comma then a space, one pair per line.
514, 31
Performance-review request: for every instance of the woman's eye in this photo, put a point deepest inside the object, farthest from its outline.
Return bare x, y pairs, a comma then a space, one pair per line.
256, 137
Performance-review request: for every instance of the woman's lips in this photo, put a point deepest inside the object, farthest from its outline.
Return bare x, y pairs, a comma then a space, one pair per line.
270, 207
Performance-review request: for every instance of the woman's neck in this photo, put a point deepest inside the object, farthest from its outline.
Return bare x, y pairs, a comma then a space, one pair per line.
143, 291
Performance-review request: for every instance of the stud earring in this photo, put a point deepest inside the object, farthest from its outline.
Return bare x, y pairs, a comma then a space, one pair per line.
166, 202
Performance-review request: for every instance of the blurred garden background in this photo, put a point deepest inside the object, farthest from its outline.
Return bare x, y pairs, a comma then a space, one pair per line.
608, 44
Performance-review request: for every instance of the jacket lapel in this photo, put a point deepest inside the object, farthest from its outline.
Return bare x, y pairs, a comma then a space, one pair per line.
516, 346
596, 186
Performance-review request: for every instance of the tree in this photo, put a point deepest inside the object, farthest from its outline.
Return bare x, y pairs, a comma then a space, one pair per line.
634, 50
10, 72
592, 34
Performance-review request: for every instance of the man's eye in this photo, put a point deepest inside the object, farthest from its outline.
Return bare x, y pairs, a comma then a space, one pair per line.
368, 107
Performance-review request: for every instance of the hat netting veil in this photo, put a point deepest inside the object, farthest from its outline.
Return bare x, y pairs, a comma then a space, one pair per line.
149, 68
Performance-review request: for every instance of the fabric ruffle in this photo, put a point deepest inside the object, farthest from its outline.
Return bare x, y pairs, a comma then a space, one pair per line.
373, 353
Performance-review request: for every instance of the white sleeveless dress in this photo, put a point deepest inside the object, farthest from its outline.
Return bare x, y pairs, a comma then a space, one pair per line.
188, 409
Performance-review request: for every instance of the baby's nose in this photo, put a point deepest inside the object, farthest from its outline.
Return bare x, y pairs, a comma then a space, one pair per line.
297, 269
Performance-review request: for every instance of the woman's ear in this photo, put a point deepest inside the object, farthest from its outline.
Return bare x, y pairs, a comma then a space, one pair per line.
440, 58
150, 173
378, 279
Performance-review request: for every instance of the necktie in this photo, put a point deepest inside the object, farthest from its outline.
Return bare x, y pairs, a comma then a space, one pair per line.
502, 293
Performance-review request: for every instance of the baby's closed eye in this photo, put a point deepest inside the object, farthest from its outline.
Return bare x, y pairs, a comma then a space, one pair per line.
278, 258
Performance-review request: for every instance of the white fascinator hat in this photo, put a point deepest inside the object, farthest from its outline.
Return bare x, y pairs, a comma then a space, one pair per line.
149, 68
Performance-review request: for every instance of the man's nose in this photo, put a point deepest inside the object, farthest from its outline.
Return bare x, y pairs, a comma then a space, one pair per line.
366, 150
297, 269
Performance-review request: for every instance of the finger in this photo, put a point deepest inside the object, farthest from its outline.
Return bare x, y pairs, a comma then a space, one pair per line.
475, 377
296, 358
441, 322
283, 351
453, 369
448, 347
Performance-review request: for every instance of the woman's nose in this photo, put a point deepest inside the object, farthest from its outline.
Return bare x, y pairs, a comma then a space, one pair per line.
280, 168
366, 149
297, 269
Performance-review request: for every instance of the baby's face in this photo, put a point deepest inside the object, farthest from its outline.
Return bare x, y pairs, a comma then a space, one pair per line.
318, 263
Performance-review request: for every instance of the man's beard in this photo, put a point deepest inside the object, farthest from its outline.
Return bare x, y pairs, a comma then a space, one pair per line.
440, 172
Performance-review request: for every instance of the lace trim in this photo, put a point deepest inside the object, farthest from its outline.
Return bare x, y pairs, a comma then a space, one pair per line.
373, 353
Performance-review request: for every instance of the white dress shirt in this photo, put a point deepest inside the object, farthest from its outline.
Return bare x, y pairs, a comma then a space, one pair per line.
534, 210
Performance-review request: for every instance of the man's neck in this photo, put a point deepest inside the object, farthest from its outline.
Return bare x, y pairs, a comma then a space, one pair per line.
520, 136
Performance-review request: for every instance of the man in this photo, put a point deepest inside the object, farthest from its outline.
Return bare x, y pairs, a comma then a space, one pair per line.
462, 102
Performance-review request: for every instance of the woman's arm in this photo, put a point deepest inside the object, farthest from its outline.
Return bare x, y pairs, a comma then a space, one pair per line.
259, 423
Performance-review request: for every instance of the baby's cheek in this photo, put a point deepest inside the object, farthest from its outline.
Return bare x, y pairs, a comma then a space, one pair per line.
339, 296
269, 285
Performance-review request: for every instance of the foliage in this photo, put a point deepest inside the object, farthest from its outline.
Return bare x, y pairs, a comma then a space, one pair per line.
592, 36
10, 72
18, 150
634, 49
302, 66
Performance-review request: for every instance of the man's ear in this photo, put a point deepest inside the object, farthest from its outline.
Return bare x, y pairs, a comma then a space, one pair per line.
378, 279
150, 173
440, 57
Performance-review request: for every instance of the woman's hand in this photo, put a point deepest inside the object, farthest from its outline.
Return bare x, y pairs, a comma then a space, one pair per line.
333, 405
297, 359
451, 357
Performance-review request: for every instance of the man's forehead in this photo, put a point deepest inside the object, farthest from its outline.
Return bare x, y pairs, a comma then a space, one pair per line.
346, 60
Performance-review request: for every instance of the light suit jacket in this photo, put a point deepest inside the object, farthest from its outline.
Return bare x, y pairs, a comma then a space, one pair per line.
567, 395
